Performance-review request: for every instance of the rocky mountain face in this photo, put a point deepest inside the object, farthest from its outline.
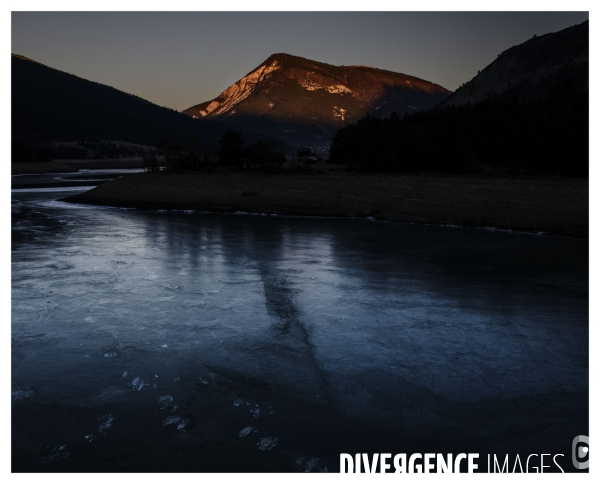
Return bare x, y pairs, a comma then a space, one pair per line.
303, 102
533, 69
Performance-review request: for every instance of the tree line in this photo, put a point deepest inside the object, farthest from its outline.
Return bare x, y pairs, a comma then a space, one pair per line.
32, 149
500, 135
231, 153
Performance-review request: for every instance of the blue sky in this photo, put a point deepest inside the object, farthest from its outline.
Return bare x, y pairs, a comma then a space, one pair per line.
178, 59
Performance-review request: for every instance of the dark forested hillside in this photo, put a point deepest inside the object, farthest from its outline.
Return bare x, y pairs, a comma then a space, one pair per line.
50, 105
531, 70
526, 113
497, 136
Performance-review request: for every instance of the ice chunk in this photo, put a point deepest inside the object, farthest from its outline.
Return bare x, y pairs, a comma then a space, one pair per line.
246, 430
172, 420
18, 393
138, 383
106, 425
165, 400
267, 443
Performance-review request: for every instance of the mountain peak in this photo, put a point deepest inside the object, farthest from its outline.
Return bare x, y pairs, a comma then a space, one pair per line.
287, 95
281, 55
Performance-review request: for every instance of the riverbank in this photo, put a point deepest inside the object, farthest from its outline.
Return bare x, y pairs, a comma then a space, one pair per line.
40, 168
550, 206
106, 163
73, 166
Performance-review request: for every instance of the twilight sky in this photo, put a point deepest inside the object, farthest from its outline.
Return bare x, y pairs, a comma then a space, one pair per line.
180, 59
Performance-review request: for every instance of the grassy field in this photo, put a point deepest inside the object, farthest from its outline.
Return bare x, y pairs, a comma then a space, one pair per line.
551, 206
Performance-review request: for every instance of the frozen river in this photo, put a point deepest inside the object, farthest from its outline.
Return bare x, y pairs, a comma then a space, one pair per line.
147, 341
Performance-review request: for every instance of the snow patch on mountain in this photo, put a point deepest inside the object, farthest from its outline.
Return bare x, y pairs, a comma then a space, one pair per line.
239, 91
334, 89
339, 113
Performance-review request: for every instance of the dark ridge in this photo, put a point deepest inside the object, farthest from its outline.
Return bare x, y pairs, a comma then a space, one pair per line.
51, 105
533, 69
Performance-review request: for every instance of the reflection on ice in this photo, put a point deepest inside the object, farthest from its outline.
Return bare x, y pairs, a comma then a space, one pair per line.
402, 326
